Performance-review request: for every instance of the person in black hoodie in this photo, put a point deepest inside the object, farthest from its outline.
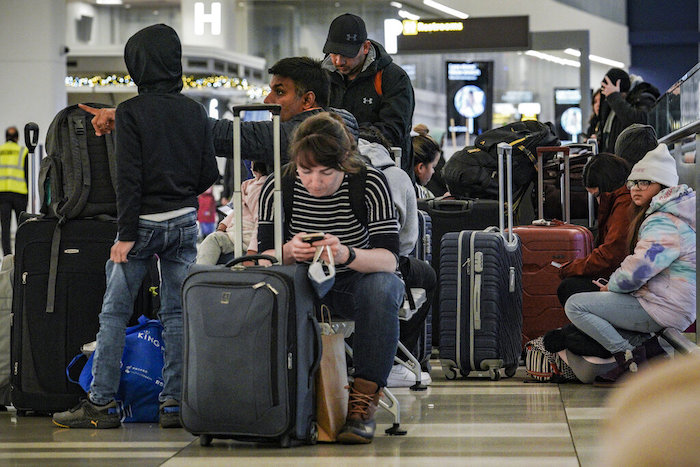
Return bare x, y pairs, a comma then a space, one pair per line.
366, 82
623, 103
165, 159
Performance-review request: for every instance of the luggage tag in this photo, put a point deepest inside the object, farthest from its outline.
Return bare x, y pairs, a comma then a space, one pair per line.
322, 281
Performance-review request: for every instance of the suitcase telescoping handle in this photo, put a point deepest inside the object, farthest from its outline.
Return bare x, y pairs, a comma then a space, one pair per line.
566, 206
31, 139
592, 146
507, 150
275, 110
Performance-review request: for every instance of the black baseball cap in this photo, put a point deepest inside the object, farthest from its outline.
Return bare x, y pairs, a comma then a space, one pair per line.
345, 36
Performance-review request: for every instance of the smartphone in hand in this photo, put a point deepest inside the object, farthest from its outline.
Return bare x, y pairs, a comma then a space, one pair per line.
310, 238
601, 282
555, 264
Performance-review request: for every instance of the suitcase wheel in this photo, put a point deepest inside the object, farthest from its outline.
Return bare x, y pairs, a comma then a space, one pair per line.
285, 442
205, 440
450, 374
312, 437
495, 374
510, 370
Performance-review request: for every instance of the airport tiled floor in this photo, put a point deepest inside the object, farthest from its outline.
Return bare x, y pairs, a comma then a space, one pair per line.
464, 422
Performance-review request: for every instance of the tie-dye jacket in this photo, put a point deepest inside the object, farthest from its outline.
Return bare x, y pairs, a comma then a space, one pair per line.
661, 272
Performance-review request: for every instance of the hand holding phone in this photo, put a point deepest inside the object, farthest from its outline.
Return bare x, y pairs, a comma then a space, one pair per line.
310, 238
555, 264
601, 282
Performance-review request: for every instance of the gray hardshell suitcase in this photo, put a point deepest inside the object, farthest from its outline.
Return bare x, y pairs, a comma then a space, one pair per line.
481, 295
251, 342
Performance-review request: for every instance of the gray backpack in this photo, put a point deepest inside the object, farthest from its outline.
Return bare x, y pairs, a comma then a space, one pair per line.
77, 178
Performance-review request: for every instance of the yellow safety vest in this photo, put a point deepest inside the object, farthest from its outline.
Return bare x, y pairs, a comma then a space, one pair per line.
12, 168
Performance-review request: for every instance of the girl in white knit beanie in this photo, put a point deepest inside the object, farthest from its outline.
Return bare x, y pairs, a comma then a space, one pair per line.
654, 287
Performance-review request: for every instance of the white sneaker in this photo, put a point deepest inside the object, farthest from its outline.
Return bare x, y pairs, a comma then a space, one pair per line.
402, 377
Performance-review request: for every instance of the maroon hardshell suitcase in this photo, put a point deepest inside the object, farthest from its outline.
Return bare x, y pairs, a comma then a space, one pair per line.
545, 243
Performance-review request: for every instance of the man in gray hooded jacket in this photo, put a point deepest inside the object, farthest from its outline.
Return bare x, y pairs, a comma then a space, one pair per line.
374, 148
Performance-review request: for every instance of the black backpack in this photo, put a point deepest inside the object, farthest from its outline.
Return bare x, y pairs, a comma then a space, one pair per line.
77, 178
525, 137
473, 171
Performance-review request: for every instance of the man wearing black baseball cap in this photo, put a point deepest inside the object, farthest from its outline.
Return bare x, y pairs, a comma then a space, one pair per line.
366, 82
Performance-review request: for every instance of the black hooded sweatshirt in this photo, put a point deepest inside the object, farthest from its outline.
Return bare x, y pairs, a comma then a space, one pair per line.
165, 154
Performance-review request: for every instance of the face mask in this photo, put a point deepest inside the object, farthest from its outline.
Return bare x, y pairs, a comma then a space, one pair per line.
322, 281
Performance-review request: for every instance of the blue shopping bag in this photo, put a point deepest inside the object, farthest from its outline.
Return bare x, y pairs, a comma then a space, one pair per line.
142, 372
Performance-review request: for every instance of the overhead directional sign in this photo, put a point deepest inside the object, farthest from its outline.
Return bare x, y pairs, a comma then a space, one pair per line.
443, 35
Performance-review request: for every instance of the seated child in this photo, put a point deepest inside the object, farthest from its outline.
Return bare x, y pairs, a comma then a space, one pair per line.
221, 242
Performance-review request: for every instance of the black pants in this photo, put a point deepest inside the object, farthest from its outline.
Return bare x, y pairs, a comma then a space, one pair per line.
10, 202
573, 285
416, 274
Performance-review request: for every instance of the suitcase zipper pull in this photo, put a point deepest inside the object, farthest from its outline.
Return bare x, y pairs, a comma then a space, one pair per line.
290, 361
265, 284
24, 278
16, 369
511, 281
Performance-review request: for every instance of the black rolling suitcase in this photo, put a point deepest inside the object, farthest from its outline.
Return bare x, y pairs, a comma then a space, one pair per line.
251, 343
481, 296
44, 341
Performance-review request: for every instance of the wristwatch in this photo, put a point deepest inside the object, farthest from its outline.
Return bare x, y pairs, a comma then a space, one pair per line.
351, 257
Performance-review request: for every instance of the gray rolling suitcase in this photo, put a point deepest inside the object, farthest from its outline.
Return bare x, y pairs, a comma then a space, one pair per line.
481, 295
251, 341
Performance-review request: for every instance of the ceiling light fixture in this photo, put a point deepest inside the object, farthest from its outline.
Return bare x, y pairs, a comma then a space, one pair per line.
396, 4
553, 59
406, 15
445, 9
109, 2
596, 58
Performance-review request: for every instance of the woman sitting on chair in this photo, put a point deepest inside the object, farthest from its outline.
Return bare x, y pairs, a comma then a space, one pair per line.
366, 287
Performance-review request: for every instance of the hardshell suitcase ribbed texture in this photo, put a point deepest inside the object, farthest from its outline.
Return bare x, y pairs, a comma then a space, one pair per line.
542, 244
452, 215
424, 251
481, 294
480, 303
252, 344
44, 343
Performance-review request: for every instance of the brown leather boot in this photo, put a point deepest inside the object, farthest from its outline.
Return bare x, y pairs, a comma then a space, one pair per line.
360, 425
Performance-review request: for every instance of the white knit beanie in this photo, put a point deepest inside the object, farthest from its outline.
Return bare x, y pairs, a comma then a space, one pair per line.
658, 165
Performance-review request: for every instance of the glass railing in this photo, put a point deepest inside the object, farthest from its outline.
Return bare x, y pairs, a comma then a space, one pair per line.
679, 108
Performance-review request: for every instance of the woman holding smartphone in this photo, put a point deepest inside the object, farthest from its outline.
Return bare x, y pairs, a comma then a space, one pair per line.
365, 251
654, 287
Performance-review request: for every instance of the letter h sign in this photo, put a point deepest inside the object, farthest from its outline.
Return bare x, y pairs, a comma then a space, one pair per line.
213, 18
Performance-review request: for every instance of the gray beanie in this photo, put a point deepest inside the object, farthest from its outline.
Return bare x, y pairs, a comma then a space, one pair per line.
635, 141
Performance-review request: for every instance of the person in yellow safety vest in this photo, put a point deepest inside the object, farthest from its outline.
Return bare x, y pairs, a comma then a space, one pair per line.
13, 184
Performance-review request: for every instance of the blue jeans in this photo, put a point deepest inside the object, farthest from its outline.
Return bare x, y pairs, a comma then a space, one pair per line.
599, 313
372, 301
175, 243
